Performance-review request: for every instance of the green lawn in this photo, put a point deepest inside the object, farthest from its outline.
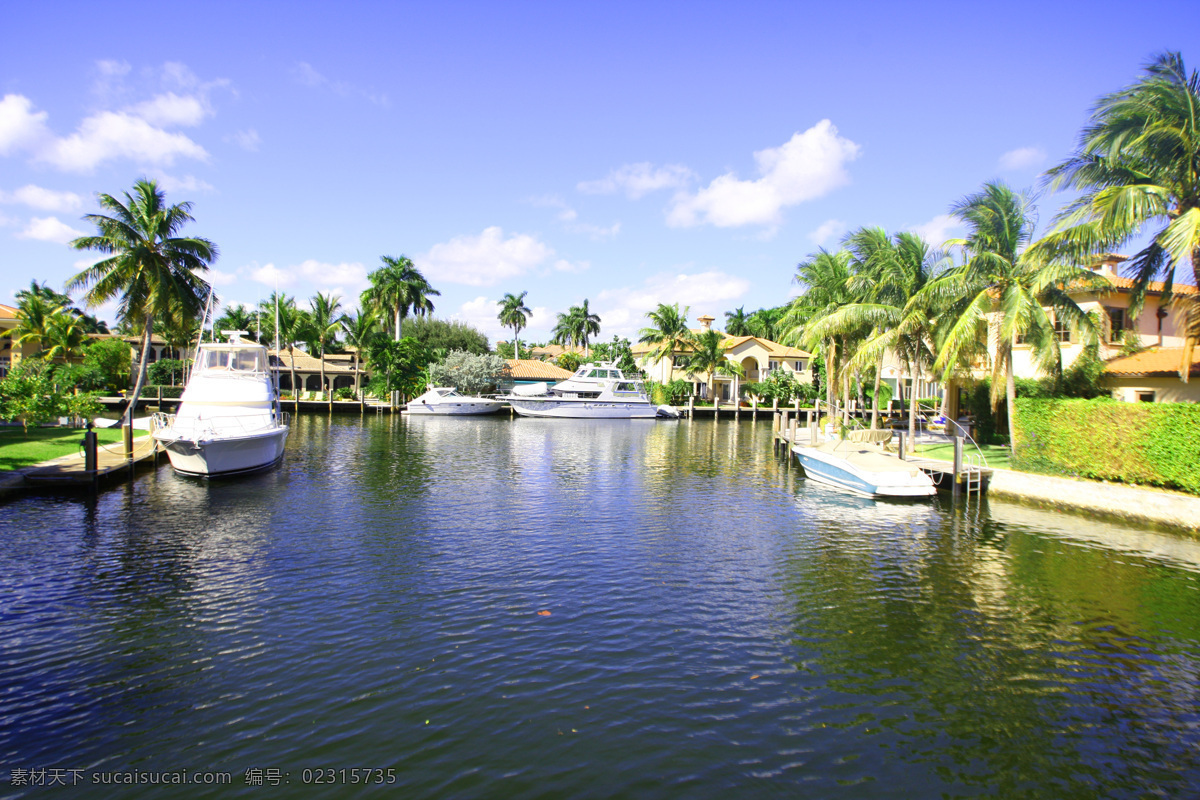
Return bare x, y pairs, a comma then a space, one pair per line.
43, 444
996, 455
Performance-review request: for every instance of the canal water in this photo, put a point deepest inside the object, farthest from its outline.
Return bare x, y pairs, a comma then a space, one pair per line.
557, 608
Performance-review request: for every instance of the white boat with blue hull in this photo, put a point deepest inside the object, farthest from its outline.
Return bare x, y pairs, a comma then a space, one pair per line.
863, 469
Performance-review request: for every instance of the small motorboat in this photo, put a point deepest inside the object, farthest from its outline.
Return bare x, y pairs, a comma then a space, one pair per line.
229, 420
863, 469
445, 400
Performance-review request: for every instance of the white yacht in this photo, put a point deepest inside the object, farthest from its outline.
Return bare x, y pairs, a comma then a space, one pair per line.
446, 400
229, 419
595, 391
863, 469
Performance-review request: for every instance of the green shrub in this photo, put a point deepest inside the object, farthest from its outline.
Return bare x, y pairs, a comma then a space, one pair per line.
344, 393
1156, 444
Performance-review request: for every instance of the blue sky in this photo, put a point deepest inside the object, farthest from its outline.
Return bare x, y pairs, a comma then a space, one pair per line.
626, 153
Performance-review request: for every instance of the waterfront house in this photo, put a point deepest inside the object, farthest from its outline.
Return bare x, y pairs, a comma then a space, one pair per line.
757, 357
1152, 376
526, 371
10, 352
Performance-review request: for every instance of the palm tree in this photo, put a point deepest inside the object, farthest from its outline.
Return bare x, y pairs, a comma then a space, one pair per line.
669, 333
155, 272
65, 337
1137, 166
399, 287
33, 319
588, 324
325, 323
234, 318
708, 357
826, 277
1012, 284
567, 329
289, 325
737, 323
514, 314
359, 332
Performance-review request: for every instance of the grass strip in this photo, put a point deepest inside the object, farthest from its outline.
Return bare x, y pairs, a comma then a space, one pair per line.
43, 444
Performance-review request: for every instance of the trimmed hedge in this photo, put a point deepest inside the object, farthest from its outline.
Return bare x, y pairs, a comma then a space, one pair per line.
1146, 443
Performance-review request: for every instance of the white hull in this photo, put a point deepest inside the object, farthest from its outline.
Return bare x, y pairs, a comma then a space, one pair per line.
225, 455
581, 409
453, 409
863, 471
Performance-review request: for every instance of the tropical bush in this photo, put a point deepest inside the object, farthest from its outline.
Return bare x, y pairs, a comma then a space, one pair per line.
1142, 443
470, 373
448, 335
783, 386
166, 372
28, 395
111, 358
673, 393
568, 361
397, 366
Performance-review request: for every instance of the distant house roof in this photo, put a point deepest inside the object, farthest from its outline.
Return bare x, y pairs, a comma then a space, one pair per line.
555, 350
526, 369
7, 312
1155, 362
733, 342
308, 363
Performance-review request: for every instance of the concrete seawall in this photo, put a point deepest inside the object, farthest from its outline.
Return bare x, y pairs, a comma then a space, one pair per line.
1128, 503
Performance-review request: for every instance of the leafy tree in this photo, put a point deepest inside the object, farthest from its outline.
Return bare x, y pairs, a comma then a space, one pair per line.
826, 278
156, 273
506, 350
1137, 166
619, 352
111, 358
448, 335
668, 332
33, 320
514, 314
166, 372
568, 361
26, 394
397, 366
64, 338
235, 318
470, 373
325, 323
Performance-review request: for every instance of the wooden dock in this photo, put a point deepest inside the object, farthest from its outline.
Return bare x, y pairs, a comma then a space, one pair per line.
71, 472
961, 476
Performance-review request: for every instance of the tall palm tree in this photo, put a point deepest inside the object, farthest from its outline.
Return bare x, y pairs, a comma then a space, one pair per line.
568, 328
1004, 280
826, 277
708, 358
737, 323
668, 332
360, 331
399, 287
234, 318
1137, 166
288, 323
514, 314
588, 324
325, 324
156, 273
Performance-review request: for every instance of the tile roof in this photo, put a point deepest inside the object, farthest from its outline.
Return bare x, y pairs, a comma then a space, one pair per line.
307, 363
7, 312
731, 342
1156, 361
526, 369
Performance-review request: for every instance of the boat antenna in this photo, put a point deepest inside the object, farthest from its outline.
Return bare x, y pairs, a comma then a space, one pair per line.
200, 336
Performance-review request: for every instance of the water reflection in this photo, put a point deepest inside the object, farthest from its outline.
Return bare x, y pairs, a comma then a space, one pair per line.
717, 625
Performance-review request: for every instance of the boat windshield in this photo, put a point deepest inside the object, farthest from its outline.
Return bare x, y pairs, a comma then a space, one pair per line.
231, 359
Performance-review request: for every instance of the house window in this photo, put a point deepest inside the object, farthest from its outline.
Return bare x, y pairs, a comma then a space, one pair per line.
1119, 322
772, 366
1145, 397
1062, 332
799, 366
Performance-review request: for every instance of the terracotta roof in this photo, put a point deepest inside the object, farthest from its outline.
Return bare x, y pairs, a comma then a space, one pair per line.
1154, 287
731, 342
7, 312
526, 369
555, 350
1157, 361
307, 363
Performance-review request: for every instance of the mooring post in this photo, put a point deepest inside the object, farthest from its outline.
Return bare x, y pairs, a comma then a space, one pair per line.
902, 439
795, 423
90, 448
958, 460
754, 413
716, 409
691, 406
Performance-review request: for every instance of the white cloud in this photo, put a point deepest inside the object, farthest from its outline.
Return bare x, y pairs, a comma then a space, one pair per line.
1022, 158
247, 140
308, 76
43, 199
483, 313
116, 134
186, 183
21, 128
483, 260
218, 278
271, 275
637, 180
809, 165
623, 311
569, 218
49, 229
939, 229
828, 231
171, 109
346, 279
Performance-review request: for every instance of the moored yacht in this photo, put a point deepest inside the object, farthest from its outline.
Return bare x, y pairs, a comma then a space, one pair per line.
445, 400
596, 391
863, 469
229, 419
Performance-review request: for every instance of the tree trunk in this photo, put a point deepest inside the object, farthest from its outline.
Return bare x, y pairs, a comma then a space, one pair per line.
830, 373
913, 368
143, 363
1010, 393
323, 372
397, 323
875, 399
